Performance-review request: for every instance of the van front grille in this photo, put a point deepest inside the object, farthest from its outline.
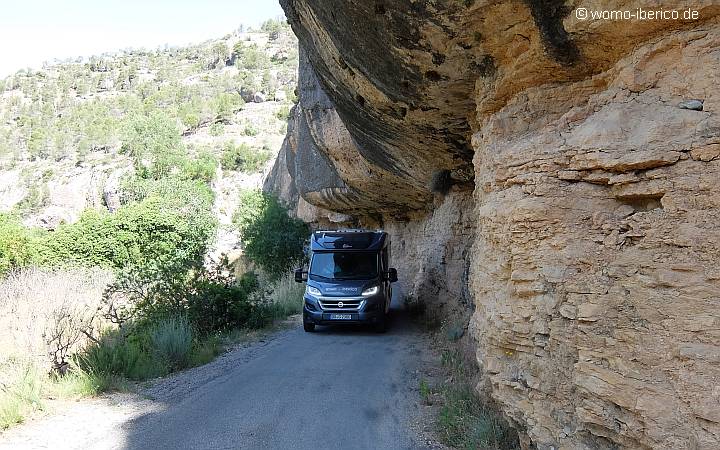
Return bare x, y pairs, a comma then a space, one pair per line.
341, 303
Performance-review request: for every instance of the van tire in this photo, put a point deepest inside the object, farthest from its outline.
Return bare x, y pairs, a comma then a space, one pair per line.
308, 327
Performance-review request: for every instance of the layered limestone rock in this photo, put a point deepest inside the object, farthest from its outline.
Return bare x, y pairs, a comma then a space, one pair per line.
595, 272
593, 148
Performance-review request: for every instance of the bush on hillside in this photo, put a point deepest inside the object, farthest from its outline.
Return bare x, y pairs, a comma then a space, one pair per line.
272, 239
250, 57
283, 113
195, 194
157, 231
225, 105
152, 134
16, 244
244, 158
154, 142
202, 167
272, 27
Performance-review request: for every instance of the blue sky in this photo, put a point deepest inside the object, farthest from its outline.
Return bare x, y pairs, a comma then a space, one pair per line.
33, 31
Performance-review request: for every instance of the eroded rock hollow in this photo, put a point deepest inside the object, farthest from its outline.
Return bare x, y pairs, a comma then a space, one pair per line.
558, 176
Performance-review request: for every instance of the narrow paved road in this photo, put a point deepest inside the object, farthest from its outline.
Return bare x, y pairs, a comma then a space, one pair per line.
337, 388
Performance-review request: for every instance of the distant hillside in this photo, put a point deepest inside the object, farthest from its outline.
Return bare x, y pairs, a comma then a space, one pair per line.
74, 133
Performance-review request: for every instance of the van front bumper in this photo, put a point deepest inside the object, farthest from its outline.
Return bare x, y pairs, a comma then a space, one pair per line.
371, 312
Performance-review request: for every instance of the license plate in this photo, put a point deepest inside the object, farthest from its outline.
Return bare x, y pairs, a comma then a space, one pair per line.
340, 316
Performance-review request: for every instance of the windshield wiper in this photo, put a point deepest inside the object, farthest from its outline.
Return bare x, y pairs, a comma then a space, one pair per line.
320, 276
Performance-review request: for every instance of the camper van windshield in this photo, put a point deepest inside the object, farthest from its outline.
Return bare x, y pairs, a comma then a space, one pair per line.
345, 265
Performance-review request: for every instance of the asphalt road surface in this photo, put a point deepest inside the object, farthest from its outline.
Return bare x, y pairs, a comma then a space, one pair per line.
337, 388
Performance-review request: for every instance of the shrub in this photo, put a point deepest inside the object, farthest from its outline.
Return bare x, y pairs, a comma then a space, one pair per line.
243, 158
465, 420
154, 142
205, 350
250, 130
155, 231
36, 198
191, 120
172, 341
272, 27
425, 392
170, 221
78, 383
122, 353
211, 299
216, 303
281, 298
201, 168
16, 244
250, 57
283, 113
225, 105
153, 135
216, 129
272, 239
194, 194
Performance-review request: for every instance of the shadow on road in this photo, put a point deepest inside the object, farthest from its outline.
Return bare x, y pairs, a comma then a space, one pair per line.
340, 387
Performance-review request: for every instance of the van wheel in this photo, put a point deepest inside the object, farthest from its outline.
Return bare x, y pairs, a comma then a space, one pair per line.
308, 327
381, 325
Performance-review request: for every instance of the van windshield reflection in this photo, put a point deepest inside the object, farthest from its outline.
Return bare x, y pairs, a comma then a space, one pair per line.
345, 265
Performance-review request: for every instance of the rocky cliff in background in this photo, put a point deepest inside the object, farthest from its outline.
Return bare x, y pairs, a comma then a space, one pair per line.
560, 176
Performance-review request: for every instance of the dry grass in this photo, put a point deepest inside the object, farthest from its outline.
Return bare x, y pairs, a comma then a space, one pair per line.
43, 313
37, 305
286, 296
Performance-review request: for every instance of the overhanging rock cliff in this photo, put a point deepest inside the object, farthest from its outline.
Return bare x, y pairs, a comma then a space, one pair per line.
559, 175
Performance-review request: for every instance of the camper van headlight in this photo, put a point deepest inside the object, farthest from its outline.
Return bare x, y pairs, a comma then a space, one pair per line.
370, 291
315, 292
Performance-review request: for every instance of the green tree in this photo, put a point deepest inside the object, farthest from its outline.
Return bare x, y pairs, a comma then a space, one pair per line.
225, 105
154, 143
218, 54
272, 27
251, 57
272, 239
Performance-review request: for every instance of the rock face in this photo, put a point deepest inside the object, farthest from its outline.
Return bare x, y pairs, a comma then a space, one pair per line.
589, 247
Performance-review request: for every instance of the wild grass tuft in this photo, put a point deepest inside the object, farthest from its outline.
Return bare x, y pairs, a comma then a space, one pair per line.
281, 299
204, 351
172, 341
286, 297
20, 392
425, 392
117, 354
78, 383
466, 422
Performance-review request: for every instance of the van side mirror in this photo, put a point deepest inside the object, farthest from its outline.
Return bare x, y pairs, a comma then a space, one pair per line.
391, 275
301, 276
